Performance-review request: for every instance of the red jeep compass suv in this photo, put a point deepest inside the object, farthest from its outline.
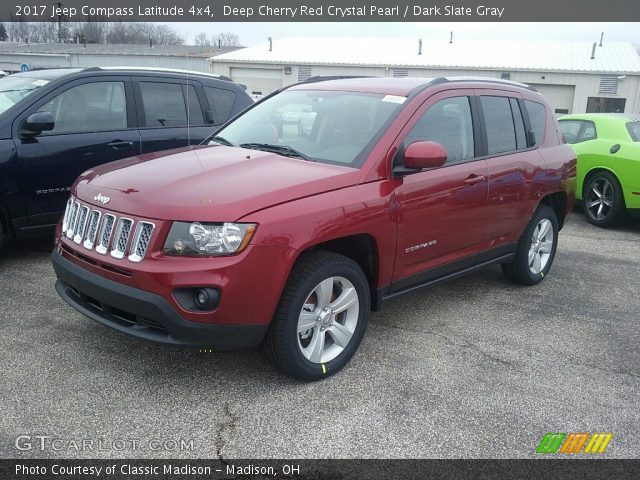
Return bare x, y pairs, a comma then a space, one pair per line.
312, 208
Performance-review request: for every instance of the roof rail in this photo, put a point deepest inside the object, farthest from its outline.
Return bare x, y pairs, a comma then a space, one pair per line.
160, 69
500, 81
324, 78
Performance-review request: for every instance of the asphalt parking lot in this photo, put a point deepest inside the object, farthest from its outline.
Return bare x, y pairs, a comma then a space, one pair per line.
474, 368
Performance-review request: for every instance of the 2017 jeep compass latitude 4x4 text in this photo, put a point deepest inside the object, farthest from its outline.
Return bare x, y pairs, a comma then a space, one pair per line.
311, 208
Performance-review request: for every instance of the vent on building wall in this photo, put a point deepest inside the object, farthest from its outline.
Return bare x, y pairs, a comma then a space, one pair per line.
608, 85
400, 72
304, 73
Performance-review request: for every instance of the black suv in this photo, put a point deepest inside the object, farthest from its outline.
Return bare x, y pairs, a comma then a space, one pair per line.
55, 124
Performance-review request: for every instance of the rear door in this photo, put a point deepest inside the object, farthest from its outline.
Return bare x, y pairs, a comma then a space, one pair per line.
442, 212
94, 124
513, 166
171, 113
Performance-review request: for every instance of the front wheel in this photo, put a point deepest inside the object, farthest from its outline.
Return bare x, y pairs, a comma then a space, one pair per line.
321, 318
536, 249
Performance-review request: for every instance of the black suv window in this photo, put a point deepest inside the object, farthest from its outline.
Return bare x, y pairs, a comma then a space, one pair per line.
195, 111
449, 123
91, 107
501, 133
164, 104
221, 103
537, 118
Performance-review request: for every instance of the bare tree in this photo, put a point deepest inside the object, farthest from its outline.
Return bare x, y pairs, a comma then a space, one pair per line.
3, 33
94, 30
226, 39
202, 40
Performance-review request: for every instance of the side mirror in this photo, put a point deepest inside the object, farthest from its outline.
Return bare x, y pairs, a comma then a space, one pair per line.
421, 155
531, 138
37, 123
209, 116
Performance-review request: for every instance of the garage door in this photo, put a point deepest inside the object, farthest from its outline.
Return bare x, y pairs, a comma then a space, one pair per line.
259, 81
560, 97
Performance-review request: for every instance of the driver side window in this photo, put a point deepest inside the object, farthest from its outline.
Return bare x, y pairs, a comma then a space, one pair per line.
449, 123
91, 107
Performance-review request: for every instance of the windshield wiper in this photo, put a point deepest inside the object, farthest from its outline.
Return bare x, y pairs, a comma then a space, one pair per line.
284, 150
222, 141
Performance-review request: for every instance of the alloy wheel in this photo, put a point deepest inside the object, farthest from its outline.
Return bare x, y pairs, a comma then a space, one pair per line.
328, 319
599, 199
541, 246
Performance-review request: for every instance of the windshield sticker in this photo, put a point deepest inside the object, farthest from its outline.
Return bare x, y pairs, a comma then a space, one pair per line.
40, 83
394, 99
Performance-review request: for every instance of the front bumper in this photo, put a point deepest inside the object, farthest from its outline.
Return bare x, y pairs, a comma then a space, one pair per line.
142, 314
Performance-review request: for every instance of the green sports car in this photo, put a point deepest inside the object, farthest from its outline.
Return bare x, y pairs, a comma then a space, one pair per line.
608, 150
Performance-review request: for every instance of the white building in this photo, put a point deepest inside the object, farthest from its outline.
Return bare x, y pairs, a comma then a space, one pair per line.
61, 55
576, 77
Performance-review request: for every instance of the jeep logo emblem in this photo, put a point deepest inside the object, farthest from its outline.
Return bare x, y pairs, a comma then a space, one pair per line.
103, 199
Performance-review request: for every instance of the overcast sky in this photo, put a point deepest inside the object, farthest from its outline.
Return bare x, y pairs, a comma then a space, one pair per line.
254, 33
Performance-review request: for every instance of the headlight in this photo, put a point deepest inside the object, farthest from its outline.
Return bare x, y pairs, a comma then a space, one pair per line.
208, 238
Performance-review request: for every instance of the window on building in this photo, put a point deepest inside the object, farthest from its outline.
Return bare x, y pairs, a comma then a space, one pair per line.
605, 105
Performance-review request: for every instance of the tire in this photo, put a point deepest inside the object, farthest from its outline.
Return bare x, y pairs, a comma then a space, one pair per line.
534, 254
318, 281
602, 198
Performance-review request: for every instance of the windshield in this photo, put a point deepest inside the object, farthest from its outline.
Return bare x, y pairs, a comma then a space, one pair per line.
14, 89
634, 130
321, 126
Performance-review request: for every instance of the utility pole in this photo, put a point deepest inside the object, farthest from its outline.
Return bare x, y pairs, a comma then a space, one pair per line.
59, 5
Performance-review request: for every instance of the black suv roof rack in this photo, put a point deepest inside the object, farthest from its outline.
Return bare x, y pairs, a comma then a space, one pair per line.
158, 70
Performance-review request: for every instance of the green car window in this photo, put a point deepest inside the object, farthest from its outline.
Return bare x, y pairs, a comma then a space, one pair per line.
634, 130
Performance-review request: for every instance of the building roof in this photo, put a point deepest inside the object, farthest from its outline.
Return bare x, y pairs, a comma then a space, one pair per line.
564, 56
111, 49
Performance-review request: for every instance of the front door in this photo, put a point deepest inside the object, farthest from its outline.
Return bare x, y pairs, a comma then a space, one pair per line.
93, 126
442, 212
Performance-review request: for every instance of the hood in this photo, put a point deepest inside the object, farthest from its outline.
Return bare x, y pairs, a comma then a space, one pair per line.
207, 183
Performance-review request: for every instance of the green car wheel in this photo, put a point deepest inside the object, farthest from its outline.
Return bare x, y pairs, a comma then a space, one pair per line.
603, 200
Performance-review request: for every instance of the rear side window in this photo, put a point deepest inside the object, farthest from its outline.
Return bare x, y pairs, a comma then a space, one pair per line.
537, 118
221, 102
195, 111
634, 130
501, 134
449, 123
164, 104
518, 122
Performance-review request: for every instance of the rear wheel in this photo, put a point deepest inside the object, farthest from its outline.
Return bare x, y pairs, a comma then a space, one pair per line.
321, 318
603, 199
536, 249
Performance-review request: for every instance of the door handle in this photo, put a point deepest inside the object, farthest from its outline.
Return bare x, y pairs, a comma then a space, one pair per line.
473, 179
118, 144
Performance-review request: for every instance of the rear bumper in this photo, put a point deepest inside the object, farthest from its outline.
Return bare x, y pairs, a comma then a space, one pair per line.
143, 314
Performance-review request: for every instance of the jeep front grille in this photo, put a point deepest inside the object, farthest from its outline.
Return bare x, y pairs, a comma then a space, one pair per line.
108, 233
141, 241
92, 230
121, 237
105, 234
82, 223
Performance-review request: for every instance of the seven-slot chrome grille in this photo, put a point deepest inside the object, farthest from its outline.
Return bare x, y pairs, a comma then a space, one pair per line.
119, 236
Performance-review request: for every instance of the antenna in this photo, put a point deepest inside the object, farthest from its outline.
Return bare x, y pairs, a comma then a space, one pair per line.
188, 112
